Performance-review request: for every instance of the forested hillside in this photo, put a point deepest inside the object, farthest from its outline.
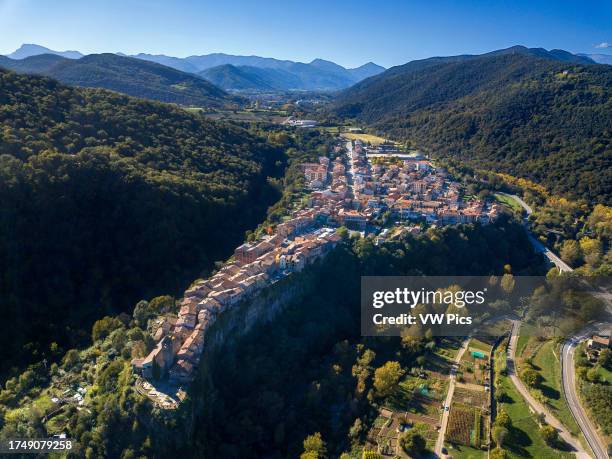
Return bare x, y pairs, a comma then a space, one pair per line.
134, 77
107, 199
539, 118
248, 385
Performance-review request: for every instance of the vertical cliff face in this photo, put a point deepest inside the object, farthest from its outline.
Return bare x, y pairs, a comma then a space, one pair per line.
181, 426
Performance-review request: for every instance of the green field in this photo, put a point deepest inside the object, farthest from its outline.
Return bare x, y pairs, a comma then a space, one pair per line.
521, 344
547, 363
524, 439
368, 138
465, 452
508, 202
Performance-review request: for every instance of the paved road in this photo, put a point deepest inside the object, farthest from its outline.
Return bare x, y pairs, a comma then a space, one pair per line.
569, 391
536, 406
449, 398
523, 204
539, 247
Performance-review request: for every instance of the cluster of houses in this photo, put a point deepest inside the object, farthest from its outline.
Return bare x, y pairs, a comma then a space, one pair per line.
406, 185
294, 244
411, 188
345, 192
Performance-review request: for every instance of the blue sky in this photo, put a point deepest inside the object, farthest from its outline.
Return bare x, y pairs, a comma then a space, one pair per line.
388, 32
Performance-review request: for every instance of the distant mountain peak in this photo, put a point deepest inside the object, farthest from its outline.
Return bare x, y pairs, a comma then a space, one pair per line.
31, 49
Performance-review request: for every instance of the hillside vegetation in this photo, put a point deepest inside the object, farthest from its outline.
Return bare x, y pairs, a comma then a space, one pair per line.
247, 401
107, 199
544, 119
127, 75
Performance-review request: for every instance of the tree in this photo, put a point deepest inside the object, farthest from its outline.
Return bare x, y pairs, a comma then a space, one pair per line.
161, 304
503, 419
356, 429
571, 252
142, 313
600, 221
592, 250
592, 375
314, 447
412, 442
507, 283
367, 454
71, 358
549, 434
387, 377
605, 358
104, 327
499, 434
531, 377
498, 453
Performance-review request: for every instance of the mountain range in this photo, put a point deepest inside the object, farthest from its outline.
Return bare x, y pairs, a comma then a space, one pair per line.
264, 73
599, 58
29, 49
128, 75
244, 73
537, 114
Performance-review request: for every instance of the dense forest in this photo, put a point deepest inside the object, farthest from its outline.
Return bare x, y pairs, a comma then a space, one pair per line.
107, 199
306, 371
127, 75
541, 119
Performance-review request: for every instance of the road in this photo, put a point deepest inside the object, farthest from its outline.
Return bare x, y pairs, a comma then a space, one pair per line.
536, 406
571, 396
449, 398
538, 246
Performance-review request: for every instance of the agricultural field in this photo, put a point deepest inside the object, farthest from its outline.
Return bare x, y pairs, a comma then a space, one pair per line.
389, 425
474, 366
366, 138
465, 425
471, 397
247, 115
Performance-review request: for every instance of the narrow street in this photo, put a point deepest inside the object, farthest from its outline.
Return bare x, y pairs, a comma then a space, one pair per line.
449, 398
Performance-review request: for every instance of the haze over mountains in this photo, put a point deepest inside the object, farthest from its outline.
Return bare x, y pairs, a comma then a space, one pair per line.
130, 76
253, 72
542, 115
29, 49
242, 73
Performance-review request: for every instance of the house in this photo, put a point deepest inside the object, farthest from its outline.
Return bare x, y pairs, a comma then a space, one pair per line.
599, 342
352, 219
162, 357
249, 252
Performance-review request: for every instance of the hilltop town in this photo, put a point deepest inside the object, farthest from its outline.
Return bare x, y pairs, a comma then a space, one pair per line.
360, 188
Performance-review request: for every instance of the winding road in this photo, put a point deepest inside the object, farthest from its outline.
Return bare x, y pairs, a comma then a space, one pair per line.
538, 246
571, 396
536, 406
568, 376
